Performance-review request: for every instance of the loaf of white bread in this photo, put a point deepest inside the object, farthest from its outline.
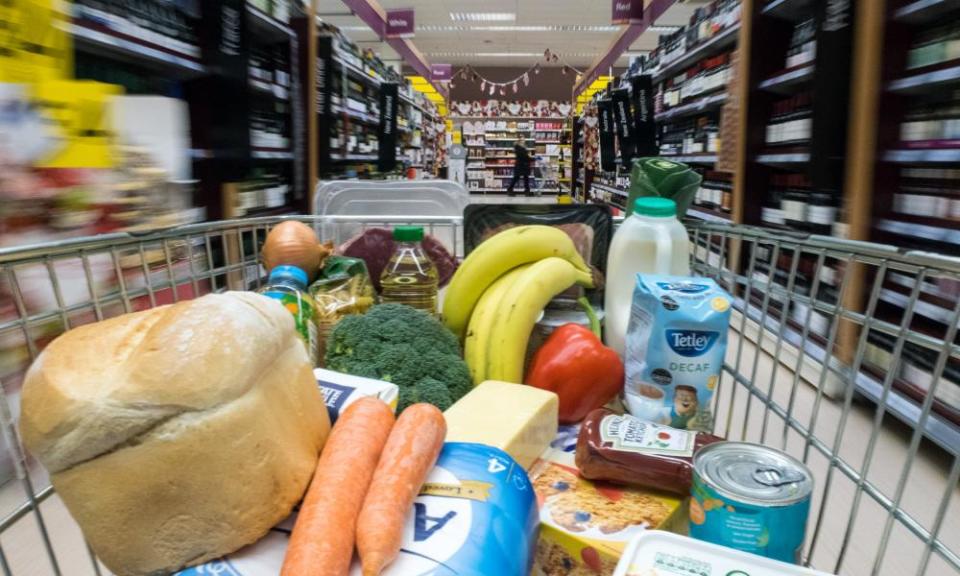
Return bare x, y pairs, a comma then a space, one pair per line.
179, 434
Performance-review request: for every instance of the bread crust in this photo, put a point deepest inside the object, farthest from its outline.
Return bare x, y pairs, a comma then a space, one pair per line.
179, 434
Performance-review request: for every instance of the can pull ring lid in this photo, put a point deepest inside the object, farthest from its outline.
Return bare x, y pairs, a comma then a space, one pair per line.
774, 477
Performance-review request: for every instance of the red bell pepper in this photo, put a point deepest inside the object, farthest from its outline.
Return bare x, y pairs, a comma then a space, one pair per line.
574, 363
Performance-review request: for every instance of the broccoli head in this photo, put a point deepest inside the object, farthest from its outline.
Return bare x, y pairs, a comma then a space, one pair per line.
400, 344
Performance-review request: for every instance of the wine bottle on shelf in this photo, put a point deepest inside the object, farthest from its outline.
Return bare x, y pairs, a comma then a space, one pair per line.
796, 202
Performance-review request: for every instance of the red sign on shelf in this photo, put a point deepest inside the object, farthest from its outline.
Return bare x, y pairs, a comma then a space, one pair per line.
400, 23
627, 11
441, 72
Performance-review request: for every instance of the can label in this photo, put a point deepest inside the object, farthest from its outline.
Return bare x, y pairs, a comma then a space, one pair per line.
773, 531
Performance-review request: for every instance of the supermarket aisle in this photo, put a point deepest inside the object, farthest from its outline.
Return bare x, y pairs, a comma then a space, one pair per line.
25, 553
503, 199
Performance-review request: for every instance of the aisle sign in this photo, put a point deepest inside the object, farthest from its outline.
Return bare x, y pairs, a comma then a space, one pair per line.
34, 43
400, 23
644, 128
78, 114
441, 72
627, 11
387, 150
607, 134
624, 124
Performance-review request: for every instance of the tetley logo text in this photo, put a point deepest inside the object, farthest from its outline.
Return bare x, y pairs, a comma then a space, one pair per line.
691, 343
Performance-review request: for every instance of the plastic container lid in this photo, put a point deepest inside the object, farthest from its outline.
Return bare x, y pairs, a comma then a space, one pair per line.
408, 233
288, 273
655, 207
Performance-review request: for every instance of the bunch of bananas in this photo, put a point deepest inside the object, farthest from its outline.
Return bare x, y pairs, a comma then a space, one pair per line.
497, 294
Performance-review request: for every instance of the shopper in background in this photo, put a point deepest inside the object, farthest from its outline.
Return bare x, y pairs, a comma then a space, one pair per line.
521, 167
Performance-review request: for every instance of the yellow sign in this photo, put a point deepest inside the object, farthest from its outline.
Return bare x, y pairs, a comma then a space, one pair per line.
34, 43
79, 114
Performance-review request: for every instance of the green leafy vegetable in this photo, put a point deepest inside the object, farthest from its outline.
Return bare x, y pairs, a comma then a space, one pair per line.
664, 179
400, 344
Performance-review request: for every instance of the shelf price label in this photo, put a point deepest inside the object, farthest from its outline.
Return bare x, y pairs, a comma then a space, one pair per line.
34, 42
77, 114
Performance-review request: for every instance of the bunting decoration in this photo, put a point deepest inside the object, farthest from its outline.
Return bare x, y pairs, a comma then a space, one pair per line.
492, 87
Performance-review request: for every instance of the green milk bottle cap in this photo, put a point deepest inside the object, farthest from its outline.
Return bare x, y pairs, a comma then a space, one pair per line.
655, 207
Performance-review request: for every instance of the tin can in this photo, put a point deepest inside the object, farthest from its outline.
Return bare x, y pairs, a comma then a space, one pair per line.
751, 498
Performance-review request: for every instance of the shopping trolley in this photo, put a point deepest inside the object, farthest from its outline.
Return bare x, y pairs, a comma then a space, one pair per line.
545, 176
842, 353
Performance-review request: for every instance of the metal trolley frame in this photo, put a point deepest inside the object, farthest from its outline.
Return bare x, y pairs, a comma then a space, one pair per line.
803, 371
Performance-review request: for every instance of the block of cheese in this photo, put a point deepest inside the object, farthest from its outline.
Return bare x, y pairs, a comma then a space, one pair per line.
520, 420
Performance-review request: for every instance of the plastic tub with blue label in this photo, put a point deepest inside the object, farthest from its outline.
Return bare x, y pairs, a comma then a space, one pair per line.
475, 516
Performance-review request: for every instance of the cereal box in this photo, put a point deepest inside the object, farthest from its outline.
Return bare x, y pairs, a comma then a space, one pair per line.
585, 526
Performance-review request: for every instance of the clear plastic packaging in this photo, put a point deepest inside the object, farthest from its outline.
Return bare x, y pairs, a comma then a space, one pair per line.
343, 288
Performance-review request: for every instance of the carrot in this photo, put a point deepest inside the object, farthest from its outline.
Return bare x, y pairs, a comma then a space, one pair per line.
408, 457
322, 540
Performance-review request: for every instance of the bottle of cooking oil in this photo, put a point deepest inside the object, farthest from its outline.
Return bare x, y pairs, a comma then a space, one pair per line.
410, 276
288, 285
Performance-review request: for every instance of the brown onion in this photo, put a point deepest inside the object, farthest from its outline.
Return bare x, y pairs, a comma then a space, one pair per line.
292, 243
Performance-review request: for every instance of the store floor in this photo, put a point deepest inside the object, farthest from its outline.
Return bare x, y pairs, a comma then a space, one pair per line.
925, 487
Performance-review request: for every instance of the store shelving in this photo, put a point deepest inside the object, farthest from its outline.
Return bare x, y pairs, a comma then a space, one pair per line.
939, 429
264, 154
496, 138
708, 215
923, 11
281, 93
697, 106
923, 231
788, 82
266, 26
925, 82
714, 45
789, 158
99, 40
792, 10
692, 158
930, 156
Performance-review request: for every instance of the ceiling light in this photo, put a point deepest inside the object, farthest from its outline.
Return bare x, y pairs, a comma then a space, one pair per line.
584, 28
512, 28
440, 28
506, 54
483, 16
485, 54
543, 28
664, 29
354, 28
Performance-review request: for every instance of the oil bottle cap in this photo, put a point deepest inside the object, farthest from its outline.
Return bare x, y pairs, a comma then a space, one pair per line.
288, 273
408, 233
655, 207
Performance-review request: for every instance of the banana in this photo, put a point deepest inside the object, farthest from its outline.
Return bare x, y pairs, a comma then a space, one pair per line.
518, 310
481, 323
494, 257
